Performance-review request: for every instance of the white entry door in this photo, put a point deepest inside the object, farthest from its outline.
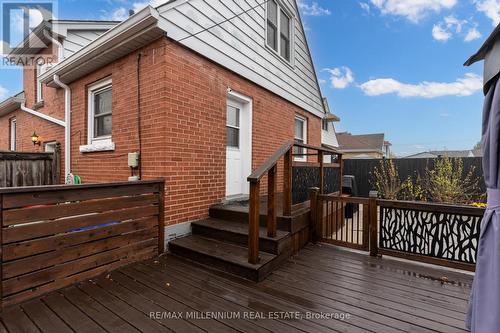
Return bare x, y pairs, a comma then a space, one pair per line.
238, 146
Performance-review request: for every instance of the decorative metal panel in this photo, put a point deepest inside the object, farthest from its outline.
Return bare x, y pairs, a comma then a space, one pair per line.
450, 236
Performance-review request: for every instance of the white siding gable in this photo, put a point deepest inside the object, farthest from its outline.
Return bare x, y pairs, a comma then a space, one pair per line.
77, 39
240, 45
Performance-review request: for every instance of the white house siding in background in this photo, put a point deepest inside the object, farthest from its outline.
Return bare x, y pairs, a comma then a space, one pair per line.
329, 137
240, 45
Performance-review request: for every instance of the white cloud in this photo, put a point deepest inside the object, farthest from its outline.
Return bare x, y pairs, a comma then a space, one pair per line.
340, 77
413, 10
118, 14
450, 26
490, 8
153, 3
440, 33
472, 34
466, 86
312, 9
3, 93
365, 6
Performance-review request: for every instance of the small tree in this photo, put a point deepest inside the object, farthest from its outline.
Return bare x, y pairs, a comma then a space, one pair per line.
446, 182
412, 190
385, 179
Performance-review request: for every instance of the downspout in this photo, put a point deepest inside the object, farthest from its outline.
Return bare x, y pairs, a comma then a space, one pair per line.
67, 129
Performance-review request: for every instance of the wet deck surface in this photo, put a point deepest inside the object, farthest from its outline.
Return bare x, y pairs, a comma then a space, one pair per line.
361, 293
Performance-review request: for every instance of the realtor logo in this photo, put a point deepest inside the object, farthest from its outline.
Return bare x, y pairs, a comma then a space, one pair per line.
22, 28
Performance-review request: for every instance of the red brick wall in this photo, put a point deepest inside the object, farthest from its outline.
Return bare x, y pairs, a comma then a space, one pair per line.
183, 108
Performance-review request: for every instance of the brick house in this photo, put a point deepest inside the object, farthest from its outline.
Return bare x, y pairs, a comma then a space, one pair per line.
202, 103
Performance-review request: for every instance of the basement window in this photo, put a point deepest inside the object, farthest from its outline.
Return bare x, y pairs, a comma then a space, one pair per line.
278, 30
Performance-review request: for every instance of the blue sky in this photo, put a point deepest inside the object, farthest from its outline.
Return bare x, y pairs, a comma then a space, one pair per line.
391, 66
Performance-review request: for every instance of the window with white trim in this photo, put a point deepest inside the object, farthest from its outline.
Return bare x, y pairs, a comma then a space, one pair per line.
100, 112
279, 28
300, 137
40, 68
12, 134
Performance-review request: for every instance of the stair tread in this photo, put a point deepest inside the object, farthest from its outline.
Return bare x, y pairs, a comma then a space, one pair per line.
238, 228
222, 250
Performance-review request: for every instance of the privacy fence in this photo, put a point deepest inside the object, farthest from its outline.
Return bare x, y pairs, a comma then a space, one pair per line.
29, 169
362, 170
54, 236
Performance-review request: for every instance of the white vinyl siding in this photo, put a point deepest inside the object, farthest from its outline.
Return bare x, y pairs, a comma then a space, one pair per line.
77, 39
329, 137
240, 45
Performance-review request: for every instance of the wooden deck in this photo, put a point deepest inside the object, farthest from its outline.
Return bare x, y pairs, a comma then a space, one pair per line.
374, 295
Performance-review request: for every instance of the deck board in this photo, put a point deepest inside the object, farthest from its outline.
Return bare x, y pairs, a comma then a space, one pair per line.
380, 294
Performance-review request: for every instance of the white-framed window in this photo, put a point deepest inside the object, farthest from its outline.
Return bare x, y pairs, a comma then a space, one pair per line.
12, 134
300, 137
279, 30
40, 68
100, 112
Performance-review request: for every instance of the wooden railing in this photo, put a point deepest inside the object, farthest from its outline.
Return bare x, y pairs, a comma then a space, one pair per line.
54, 236
341, 220
270, 167
439, 234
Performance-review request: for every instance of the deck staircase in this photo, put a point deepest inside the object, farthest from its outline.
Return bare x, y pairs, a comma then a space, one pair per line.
251, 239
221, 241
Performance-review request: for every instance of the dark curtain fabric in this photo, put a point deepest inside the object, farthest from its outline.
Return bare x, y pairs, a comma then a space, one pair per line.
483, 315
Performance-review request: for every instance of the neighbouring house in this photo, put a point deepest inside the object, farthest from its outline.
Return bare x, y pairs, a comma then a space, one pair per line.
447, 153
202, 99
363, 146
328, 135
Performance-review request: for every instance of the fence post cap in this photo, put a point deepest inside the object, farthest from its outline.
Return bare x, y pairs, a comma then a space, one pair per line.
313, 189
373, 194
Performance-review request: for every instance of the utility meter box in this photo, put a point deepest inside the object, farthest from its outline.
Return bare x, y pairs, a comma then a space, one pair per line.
133, 160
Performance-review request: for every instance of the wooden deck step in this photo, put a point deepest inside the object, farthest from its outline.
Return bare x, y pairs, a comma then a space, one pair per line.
224, 256
237, 233
239, 214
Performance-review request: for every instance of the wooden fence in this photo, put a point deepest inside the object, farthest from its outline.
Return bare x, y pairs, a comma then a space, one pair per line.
54, 236
29, 169
362, 170
440, 234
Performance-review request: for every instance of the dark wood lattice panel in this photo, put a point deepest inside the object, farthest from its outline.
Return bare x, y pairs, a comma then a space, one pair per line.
443, 235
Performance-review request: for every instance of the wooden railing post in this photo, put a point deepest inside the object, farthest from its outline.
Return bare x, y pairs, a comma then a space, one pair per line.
253, 223
321, 172
272, 188
287, 184
161, 218
372, 206
1, 252
341, 173
316, 217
